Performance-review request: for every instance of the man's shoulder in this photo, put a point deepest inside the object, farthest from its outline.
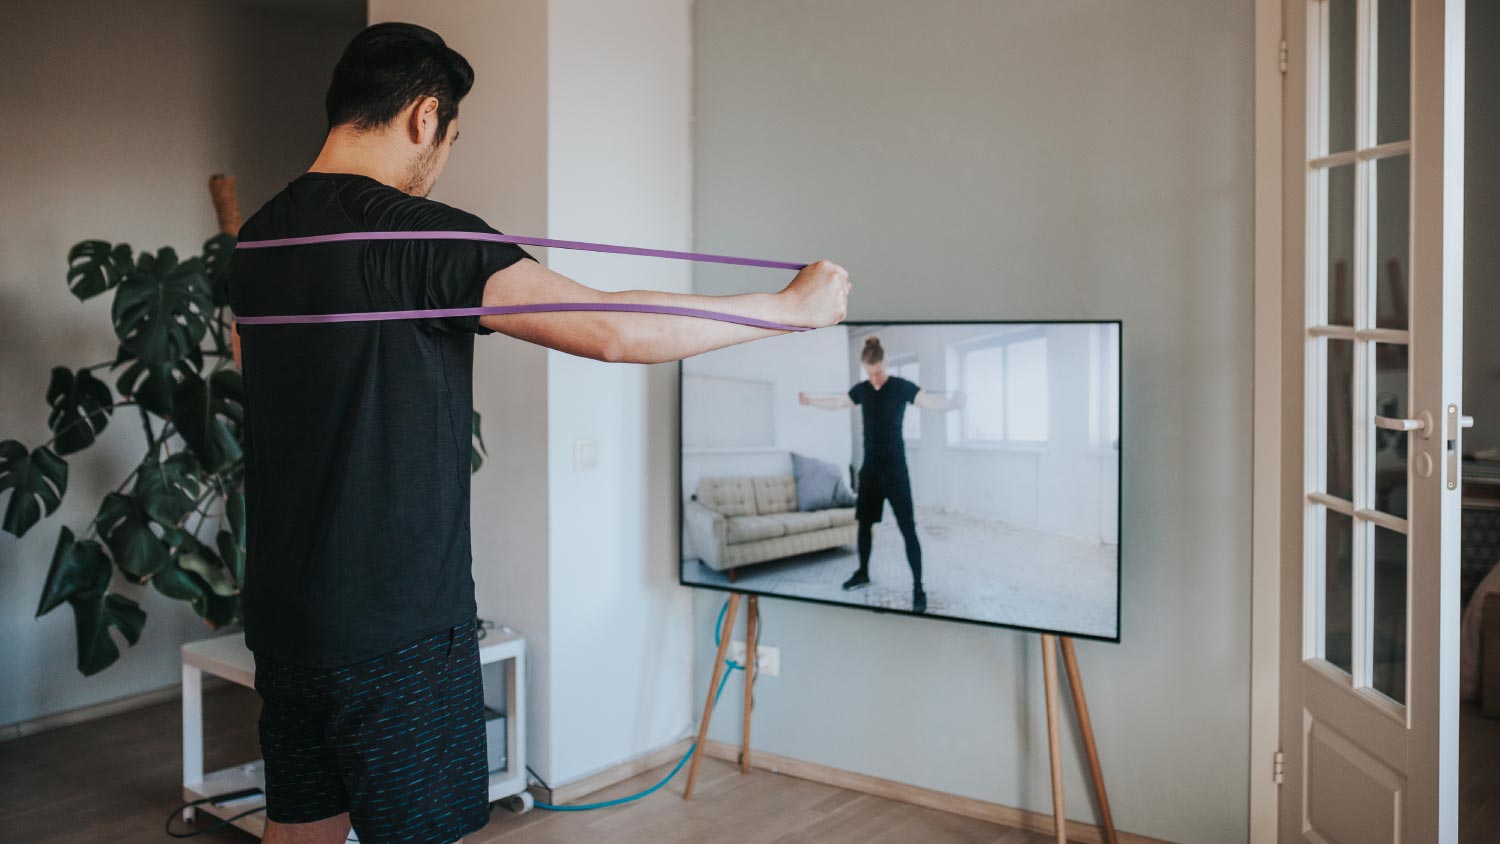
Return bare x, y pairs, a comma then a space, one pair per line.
339, 202
390, 209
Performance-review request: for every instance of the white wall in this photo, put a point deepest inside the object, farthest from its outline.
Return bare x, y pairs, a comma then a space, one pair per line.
500, 173
577, 128
964, 159
618, 172
112, 118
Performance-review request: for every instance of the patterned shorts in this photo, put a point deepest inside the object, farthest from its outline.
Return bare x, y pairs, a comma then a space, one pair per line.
397, 741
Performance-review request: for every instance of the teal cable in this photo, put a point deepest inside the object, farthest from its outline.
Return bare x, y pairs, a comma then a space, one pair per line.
733, 666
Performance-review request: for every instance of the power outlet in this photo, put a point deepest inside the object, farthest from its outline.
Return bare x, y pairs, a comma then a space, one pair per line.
767, 662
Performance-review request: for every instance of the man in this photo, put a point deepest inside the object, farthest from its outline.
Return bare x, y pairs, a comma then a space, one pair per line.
883, 475
358, 596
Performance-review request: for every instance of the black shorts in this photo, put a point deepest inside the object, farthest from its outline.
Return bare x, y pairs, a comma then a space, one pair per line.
880, 483
397, 741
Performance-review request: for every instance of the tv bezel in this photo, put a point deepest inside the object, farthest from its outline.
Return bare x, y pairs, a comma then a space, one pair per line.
1119, 495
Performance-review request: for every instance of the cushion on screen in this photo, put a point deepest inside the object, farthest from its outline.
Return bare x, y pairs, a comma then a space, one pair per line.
820, 484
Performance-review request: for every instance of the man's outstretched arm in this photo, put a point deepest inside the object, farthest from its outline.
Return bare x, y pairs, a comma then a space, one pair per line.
826, 402
817, 297
929, 401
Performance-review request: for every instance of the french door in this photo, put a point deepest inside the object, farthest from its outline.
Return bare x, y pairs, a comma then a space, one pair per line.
1372, 318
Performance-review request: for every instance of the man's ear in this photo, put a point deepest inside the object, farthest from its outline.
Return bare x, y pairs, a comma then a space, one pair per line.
422, 121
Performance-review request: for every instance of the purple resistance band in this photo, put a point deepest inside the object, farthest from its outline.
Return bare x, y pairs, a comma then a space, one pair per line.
370, 316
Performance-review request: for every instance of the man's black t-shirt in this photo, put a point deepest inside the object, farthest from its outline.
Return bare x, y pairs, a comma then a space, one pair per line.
883, 411
357, 435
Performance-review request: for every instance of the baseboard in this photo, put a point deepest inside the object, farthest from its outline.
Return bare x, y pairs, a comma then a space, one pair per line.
561, 795
928, 798
93, 711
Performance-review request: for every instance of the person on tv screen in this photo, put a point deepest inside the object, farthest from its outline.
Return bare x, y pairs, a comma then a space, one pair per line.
883, 475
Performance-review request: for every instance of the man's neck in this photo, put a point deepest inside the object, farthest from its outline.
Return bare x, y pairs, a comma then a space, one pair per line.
361, 153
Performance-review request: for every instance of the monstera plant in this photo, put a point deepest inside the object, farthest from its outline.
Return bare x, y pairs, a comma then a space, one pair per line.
177, 520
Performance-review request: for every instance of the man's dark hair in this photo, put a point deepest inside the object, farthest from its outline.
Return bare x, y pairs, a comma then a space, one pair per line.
389, 65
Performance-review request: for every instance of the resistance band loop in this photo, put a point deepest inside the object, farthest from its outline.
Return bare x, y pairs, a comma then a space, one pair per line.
372, 316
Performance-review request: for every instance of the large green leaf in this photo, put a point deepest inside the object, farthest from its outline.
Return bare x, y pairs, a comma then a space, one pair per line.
81, 406
127, 530
233, 555
162, 309
198, 577
217, 251
477, 452
150, 385
78, 569
167, 490
93, 615
232, 542
202, 561
95, 266
208, 415
234, 510
36, 482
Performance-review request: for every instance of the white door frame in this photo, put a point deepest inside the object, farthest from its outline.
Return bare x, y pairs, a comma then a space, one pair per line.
1267, 438
1265, 536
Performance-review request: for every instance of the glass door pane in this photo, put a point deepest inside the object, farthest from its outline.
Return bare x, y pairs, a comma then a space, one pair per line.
1392, 236
1341, 90
1393, 74
1388, 615
1358, 338
1341, 228
1338, 594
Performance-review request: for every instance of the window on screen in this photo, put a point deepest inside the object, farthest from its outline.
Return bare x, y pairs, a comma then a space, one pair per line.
1006, 388
1104, 386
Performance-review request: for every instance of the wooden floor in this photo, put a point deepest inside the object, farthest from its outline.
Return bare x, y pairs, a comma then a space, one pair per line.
117, 778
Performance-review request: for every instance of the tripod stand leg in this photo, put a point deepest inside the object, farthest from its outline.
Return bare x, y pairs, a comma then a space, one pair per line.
713, 685
752, 637
1085, 726
1054, 742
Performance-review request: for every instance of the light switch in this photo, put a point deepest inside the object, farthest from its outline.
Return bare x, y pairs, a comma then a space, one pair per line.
585, 454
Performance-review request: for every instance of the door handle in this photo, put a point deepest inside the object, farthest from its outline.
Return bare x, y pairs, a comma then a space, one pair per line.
1391, 424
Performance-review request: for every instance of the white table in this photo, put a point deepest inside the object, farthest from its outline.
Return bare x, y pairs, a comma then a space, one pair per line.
227, 657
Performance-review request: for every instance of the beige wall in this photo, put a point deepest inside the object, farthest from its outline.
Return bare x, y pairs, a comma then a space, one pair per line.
112, 117
971, 160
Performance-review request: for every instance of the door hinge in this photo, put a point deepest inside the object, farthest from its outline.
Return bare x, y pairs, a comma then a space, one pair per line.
1278, 760
1285, 56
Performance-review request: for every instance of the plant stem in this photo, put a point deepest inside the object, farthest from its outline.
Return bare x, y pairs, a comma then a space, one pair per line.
152, 444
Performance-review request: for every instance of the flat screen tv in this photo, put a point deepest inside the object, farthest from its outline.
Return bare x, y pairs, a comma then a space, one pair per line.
846, 465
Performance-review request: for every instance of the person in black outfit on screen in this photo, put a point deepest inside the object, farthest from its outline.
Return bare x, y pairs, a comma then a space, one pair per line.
883, 475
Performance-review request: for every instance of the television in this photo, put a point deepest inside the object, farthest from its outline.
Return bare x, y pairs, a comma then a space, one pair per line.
959, 470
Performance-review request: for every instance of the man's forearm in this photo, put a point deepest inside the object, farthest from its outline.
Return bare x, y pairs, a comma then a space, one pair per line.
658, 338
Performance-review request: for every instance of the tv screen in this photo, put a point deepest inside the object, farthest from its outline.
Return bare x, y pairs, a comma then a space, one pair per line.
958, 470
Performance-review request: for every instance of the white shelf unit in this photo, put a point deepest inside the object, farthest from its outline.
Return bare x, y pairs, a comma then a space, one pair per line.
227, 657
